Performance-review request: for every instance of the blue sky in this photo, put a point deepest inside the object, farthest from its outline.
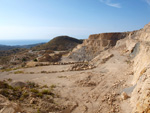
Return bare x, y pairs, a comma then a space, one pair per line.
45, 19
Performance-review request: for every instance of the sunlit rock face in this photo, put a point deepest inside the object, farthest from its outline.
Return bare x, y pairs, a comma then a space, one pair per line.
137, 45
95, 44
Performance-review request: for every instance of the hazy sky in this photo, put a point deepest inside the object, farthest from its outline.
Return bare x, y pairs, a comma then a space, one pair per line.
45, 19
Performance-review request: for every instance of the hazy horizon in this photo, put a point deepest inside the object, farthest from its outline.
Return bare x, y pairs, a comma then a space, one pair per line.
21, 42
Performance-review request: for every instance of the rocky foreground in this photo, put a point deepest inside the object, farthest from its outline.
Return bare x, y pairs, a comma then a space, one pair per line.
108, 73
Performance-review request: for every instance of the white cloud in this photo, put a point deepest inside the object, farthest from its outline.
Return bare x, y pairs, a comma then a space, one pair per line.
148, 1
110, 3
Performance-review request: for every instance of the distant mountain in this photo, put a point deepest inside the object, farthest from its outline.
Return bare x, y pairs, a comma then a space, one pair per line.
59, 43
5, 47
29, 46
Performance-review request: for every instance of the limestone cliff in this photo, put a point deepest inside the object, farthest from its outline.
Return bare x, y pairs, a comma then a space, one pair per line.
95, 44
138, 48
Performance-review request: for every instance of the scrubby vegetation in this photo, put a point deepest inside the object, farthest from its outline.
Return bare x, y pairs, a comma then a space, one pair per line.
31, 94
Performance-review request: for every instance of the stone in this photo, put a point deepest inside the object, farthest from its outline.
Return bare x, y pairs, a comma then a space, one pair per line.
18, 84
33, 101
124, 96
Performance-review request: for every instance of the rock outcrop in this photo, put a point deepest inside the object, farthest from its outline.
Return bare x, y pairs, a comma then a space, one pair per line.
138, 47
95, 44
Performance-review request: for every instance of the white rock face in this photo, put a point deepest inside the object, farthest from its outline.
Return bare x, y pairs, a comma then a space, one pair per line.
95, 44
141, 94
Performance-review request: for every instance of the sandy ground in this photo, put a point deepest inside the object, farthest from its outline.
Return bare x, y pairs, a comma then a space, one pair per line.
92, 91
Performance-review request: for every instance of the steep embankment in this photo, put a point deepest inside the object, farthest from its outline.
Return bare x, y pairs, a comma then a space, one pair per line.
95, 44
59, 43
133, 45
141, 62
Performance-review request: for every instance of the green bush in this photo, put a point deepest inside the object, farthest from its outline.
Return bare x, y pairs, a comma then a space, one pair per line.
18, 72
34, 91
40, 94
4, 85
4, 92
32, 84
35, 60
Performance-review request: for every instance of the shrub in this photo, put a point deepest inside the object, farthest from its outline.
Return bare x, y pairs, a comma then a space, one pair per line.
45, 86
35, 60
24, 59
7, 70
4, 84
45, 91
9, 80
32, 84
40, 94
18, 72
34, 91
4, 92
25, 95
53, 86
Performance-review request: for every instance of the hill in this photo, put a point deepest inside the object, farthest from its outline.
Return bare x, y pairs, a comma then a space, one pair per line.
59, 43
4, 47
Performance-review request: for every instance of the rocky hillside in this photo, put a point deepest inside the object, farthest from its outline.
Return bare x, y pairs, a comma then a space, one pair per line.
59, 43
141, 62
136, 47
95, 44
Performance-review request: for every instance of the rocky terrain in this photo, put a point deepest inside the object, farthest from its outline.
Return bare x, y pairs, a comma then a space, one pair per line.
107, 73
95, 44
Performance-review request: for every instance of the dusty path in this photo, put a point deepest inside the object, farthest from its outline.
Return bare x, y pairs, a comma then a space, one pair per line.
92, 91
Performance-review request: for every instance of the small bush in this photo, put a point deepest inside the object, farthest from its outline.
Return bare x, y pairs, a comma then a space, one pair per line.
43, 71
32, 84
45, 86
25, 95
18, 72
53, 86
24, 59
4, 92
34, 91
9, 80
6, 70
40, 94
45, 92
35, 60
3, 84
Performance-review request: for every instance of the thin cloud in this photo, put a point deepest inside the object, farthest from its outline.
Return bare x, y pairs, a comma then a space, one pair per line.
109, 3
148, 1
